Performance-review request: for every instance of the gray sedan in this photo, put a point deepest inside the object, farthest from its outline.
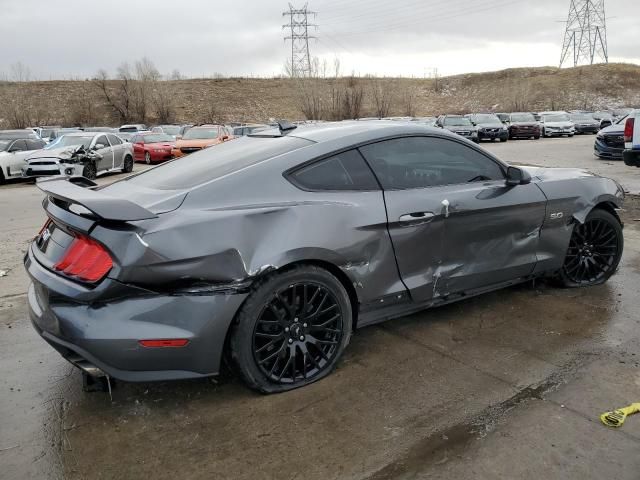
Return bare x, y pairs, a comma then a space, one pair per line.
87, 153
273, 248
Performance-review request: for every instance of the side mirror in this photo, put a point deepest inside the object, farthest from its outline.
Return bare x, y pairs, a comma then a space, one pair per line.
178, 137
517, 176
98, 146
225, 137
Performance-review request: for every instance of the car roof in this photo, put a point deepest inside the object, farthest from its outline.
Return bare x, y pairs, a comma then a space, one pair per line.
345, 130
84, 134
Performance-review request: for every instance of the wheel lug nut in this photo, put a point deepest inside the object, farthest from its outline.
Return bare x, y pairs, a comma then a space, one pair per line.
286, 329
291, 340
295, 320
304, 325
301, 338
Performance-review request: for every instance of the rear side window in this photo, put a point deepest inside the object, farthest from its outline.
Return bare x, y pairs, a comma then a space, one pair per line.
216, 162
35, 144
345, 171
114, 140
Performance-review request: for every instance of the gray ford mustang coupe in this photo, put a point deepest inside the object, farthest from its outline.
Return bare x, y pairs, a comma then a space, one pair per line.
271, 249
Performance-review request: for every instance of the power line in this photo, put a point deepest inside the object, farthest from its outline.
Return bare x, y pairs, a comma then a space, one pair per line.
299, 35
585, 35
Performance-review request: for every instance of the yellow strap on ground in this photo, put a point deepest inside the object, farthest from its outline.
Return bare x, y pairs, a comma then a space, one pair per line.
617, 417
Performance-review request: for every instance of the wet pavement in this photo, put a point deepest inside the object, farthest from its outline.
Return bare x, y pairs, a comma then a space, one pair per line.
506, 385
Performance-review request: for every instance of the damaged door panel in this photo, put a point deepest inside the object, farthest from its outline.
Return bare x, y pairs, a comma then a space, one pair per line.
491, 235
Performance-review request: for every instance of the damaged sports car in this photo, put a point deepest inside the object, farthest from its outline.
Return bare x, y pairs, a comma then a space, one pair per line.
271, 250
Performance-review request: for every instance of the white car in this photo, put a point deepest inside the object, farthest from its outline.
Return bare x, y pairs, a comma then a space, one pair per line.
556, 124
14, 151
631, 154
86, 153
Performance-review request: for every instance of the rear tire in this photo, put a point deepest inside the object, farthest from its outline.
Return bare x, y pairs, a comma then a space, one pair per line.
292, 329
90, 171
127, 167
594, 252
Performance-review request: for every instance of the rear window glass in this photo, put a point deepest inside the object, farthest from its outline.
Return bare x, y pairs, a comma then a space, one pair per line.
345, 171
216, 162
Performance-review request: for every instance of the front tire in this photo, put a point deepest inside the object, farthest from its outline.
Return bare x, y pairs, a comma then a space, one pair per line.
594, 252
147, 158
90, 171
127, 167
292, 329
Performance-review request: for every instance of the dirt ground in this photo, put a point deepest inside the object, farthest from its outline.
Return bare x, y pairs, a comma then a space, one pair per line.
506, 385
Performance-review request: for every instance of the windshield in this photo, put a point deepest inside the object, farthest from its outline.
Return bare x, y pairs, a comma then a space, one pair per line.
485, 118
603, 115
46, 133
622, 120
523, 117
171, 129
582, 117
201, 133
70, 141
213, 163
158, 138
557, 118
457, 122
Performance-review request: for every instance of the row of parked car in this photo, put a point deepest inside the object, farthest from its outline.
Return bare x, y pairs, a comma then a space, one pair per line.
51, 150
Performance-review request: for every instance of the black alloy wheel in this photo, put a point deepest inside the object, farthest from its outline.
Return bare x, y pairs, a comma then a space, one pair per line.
127, 166
292, 329
594, 250
89, 171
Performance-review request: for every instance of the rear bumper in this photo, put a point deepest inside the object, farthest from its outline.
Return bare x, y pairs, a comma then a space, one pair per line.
104, 335
631, 158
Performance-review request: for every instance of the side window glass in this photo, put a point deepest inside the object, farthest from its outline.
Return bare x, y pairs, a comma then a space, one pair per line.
114, 140
345, 171
35, 144
103, 140
19, 146
420, 162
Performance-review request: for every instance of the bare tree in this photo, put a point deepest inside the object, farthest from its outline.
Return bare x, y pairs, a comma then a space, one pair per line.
408, 102
382, 97
163, 103
118, 97
312, 104
336, 67
175, 75
20, 72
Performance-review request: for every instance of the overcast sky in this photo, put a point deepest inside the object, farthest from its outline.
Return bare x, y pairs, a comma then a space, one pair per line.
75, 38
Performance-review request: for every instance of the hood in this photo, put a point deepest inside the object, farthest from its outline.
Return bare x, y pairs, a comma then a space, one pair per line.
546, 173
613, 130
490, 124
161, 144
62, 153
196, 143
559, 124
457, 128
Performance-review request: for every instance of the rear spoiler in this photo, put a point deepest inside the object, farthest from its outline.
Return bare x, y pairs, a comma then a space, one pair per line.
79, 191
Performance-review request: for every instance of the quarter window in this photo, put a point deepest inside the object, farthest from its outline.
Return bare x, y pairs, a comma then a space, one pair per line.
345, 171
114, 140
419, 162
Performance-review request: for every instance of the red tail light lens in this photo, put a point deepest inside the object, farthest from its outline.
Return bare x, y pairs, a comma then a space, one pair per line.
85, 260
167, 343
628, 129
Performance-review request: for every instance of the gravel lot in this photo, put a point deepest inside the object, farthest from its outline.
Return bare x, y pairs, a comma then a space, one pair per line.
507, 385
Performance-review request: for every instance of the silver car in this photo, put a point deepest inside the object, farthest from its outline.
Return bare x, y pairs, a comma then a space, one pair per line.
87, 153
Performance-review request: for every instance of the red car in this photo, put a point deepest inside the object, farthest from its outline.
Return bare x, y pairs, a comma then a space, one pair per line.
152, 147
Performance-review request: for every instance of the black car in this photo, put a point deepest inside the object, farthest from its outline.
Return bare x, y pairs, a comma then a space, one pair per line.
610, 141
585, 123
271, 249
490, 127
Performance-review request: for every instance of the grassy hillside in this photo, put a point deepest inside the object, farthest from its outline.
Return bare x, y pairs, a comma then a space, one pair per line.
200, 100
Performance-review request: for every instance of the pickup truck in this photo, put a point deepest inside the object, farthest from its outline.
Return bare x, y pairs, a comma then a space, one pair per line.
631, 152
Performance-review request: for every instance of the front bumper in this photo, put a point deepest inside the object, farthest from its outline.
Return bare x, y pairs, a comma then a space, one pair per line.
493, 135
104, 335
524, 132
47, 169
587, 128
558, 133
602, 150
631, 158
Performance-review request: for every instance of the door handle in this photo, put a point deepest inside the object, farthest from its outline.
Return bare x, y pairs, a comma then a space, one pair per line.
415, 218
445, 205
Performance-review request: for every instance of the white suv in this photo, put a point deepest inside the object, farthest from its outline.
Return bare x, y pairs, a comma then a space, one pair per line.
631, 152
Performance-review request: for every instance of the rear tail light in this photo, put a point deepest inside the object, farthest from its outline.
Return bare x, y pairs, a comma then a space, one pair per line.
628, 129
85, 260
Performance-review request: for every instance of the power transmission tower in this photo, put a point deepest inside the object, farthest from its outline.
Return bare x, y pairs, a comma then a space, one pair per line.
299, 35
585, 36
